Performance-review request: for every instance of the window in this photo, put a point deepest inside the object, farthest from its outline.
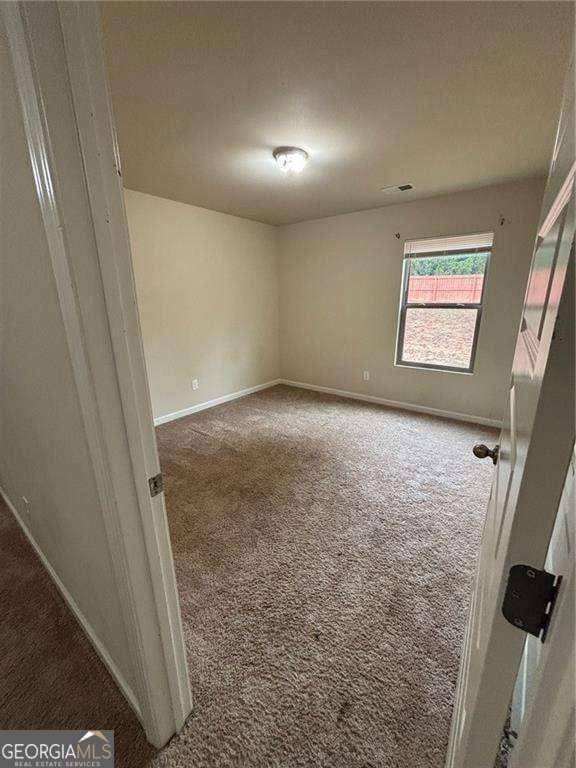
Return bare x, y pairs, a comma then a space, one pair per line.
441, 309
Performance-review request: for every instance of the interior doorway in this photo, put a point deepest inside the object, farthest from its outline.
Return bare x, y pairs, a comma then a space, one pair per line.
323, 538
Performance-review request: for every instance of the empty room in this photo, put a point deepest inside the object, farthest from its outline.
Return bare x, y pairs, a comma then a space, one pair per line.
299, 279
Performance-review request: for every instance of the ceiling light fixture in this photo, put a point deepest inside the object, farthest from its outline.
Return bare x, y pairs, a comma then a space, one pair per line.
290, 159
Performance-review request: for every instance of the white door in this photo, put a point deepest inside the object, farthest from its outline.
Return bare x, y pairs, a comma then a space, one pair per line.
542, 713
535, 447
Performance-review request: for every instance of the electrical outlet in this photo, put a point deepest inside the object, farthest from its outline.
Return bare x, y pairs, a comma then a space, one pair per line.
195, 384
366, 375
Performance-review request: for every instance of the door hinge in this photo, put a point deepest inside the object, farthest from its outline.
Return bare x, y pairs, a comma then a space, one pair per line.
156, 484
529, 599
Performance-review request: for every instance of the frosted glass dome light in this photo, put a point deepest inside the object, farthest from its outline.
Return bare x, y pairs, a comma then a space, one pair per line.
290, 159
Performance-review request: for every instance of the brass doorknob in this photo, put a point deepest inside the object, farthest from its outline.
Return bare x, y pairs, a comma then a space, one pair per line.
482, 451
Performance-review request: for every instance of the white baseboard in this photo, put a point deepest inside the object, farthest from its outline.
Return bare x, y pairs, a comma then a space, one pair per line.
469, 418
396, 404
79, 616
211, 403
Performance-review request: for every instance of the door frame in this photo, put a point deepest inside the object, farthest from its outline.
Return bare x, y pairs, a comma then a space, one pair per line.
123, 450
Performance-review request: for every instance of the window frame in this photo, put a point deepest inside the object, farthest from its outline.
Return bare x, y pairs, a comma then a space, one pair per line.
406, 305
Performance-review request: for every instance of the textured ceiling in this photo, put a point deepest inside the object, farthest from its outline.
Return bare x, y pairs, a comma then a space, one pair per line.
446, 96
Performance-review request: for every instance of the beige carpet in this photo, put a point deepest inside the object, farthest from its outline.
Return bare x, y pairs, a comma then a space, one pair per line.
50, 676
324, 550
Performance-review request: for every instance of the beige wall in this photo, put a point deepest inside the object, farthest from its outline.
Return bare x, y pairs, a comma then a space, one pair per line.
43, 449
340, 288
209, 287
208, 297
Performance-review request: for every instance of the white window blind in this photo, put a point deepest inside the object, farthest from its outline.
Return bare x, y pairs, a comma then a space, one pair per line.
447, 245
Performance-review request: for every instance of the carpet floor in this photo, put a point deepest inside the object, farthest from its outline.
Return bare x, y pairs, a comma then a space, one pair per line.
50, 675
324, 551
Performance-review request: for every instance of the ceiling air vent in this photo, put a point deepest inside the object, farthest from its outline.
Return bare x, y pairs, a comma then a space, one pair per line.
396, 188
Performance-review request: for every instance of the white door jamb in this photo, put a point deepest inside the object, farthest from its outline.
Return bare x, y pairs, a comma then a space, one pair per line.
114, 399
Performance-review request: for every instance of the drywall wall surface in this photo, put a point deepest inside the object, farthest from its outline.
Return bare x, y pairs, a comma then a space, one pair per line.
207, 289
340, 283
45, 466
